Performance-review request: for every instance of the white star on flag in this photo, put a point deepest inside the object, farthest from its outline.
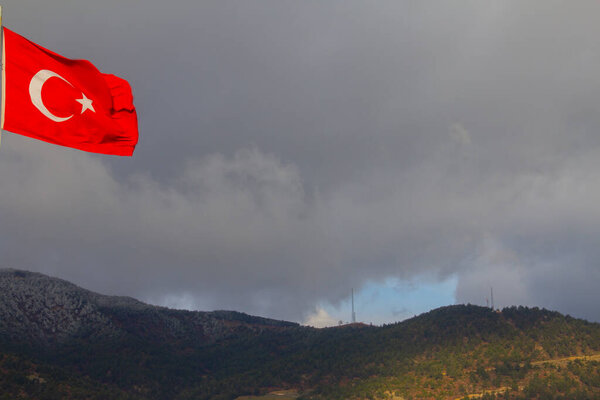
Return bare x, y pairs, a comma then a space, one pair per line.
86, 104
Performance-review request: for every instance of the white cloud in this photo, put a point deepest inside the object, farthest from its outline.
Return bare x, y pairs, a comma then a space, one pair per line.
320, 319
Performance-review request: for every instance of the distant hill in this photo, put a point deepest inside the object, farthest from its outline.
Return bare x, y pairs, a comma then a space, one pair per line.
59, 341
36, 308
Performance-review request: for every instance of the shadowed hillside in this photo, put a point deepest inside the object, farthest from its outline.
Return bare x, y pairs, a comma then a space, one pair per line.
35, 308
60, 341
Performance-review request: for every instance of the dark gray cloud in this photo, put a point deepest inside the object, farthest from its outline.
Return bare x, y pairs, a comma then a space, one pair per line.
290, 150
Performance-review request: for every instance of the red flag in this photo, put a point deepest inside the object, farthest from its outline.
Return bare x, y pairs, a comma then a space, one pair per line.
65, 102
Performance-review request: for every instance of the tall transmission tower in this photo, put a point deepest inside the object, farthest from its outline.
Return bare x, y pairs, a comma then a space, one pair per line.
353, 314
492, 296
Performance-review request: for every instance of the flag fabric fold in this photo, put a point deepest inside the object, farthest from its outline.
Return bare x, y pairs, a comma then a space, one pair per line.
65, 102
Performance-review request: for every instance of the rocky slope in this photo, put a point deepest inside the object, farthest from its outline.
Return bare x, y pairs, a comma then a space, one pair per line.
36, 308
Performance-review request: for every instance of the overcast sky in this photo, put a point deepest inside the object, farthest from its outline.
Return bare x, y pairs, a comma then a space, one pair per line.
292, 150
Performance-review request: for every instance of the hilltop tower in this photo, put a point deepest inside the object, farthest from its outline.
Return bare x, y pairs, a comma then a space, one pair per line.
353, 314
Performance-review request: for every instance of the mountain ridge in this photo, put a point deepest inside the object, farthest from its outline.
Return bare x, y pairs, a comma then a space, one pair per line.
58, 340
46, 310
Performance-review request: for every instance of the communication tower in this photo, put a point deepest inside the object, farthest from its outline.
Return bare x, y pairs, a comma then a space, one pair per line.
353, 314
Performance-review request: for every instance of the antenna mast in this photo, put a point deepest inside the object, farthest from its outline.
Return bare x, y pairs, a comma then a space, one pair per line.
353, 314
492, 296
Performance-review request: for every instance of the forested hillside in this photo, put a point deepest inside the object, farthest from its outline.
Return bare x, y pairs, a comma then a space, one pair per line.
58, 341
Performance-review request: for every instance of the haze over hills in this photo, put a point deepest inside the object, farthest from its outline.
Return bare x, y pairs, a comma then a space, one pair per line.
58, 340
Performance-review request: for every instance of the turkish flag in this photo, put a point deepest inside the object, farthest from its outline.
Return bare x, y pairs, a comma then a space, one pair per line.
66, 102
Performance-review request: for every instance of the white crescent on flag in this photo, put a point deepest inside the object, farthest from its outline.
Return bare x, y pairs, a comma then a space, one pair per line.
35, 92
